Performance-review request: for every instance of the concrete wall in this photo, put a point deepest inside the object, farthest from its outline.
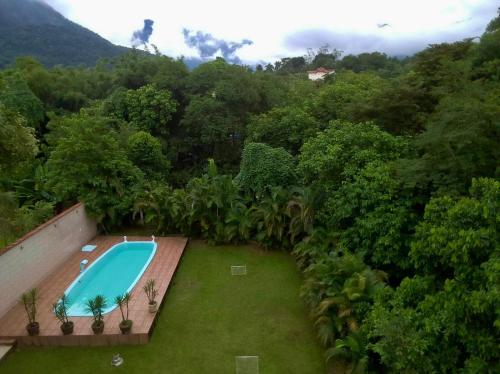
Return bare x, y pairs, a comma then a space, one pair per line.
30, 259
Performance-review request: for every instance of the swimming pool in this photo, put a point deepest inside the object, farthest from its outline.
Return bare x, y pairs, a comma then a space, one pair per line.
113, 273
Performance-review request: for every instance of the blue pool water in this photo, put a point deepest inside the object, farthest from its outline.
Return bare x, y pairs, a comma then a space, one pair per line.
113, 273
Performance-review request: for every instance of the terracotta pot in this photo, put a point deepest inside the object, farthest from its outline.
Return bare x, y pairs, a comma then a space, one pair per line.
126, 326
153, 307
67, 327
33, 328
98, 327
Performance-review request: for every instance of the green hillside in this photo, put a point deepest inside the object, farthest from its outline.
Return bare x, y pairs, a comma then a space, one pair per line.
32, 28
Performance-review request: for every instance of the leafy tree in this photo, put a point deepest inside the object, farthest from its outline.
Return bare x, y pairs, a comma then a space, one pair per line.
150, 109
222, 98
17, 96
486, 56
452, 302
63, 89
375, 61
346, 98
171, 75
212, 130
116, 105
324, 60
16, 221
401, 107
460, 142
404, 105
144, 150
18, 145
99, 173
322, 57
343, 149
494, 24
203, 78
135, 69
232, 85
283, 90
291, 65
287, 128
442, 68
263, 166
375, 218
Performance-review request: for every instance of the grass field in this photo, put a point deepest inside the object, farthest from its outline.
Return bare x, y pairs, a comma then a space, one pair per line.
208, 318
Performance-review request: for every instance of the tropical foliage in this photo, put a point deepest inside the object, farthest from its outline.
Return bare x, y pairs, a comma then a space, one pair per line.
382, 180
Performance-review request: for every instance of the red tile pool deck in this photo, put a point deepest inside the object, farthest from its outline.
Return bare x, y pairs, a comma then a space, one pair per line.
161, 268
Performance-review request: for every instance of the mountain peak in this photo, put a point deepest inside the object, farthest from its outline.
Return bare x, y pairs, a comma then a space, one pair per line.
34, 28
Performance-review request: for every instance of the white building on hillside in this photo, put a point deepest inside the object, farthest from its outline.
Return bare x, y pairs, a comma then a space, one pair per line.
319, 73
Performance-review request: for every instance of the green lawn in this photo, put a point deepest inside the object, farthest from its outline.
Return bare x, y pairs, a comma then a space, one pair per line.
208, 318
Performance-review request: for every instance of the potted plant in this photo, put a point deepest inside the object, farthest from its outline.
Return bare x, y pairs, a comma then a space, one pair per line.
122, 301
96, 306
61, 312
151, 293
29, 300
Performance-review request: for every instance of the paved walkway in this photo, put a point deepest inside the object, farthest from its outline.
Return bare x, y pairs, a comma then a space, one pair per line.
4, 349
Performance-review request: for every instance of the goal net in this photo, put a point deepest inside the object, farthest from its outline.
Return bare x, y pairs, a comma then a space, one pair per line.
239, 270
247, 364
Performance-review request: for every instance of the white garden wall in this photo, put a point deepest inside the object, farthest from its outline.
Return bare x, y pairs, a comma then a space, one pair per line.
26, 262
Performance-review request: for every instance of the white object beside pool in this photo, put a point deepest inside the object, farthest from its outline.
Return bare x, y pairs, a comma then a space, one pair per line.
88, 248
83, 263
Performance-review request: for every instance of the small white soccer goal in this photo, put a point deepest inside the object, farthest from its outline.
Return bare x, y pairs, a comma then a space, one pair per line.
239, 270
247, 364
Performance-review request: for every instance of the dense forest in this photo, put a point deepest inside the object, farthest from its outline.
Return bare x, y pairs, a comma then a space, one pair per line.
382, 181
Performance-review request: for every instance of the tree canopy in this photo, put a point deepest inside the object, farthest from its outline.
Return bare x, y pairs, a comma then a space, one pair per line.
382, 180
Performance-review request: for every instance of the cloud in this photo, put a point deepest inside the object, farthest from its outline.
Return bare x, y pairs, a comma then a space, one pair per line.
454, 22
420, 22
208, 46
387, 41
344, 41
142, 36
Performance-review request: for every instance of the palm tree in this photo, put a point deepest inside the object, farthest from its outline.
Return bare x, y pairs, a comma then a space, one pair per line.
35, 188
151, 205
352, 349
313, 246
301, 211
270, 218
96, 306
144, 201
180, 210
335, 287
238, 224
212, 197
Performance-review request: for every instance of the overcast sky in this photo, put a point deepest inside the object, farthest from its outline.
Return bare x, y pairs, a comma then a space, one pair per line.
267, 30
